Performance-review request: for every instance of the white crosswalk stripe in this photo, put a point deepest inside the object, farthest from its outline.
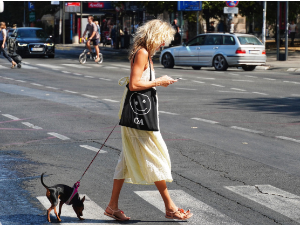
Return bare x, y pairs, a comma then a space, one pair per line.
3, 67
271, 197
50, 66
28, 67
76, 66
92, 148
93, 214
203, 213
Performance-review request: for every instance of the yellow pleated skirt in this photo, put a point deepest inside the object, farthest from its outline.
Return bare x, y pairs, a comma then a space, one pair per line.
144, 158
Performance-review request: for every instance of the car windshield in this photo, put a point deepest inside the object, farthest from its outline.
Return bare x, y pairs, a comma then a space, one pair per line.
31, 33
248, 40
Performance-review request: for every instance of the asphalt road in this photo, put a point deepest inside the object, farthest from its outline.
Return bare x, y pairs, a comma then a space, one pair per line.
233, 139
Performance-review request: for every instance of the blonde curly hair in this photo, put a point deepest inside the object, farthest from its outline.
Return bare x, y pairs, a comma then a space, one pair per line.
151, 35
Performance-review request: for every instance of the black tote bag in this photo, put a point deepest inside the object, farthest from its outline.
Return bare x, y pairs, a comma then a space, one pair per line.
140, 109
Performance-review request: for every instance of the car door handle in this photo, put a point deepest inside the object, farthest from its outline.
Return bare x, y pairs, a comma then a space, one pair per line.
198, 48
215, 47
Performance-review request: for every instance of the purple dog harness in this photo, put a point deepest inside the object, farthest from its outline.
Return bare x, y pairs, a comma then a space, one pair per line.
75, 191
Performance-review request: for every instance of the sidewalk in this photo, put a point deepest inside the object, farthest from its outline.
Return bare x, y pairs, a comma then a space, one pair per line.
291, 64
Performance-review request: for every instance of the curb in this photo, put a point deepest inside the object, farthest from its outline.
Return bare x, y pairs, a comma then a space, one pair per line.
266, 67
293, 69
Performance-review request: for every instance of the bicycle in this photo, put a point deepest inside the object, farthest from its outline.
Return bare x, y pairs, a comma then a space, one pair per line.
83, 56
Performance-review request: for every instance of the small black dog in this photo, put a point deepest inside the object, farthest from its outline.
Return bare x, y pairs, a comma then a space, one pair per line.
63, 192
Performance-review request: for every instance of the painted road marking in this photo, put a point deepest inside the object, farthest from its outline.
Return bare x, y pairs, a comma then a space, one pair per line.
250, 76
259, 93
52, 88
76, 66
93, 214
62, 137
63, 71
29, 67
120, 65
288, 139
291, 69
234, 74
50, 66
244, 80
104, 79
203, 213
89, 76
189, 89
269, 79
22, 81
73, 92
77, 74
3, 67
206, 78
8, 78
248, 130
271, 197
170, 113
237, 89
92, 148
10, 117
217, 85
35, 84
204, 120
110, 100
234, 92
200, 82
90, 96
31, 126
110, 67
296, 95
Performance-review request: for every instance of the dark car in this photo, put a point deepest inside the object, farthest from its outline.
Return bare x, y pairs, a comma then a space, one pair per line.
32, 41
10, 31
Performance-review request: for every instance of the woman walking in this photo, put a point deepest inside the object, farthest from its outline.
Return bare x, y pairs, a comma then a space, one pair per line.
3, 37
145, 158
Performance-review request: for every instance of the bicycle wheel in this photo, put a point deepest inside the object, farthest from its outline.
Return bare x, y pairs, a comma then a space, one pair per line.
82, 58
101, 58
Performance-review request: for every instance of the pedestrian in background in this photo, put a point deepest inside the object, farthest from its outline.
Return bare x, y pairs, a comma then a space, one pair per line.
98, 29
113, 36
211, 28
177, 36
292, 31
3, 46
145, 158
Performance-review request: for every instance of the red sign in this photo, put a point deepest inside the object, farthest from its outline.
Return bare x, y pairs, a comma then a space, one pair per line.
232, 3
96, 5
72, 4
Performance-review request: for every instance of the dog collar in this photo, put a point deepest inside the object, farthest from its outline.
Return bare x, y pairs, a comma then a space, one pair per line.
75, 191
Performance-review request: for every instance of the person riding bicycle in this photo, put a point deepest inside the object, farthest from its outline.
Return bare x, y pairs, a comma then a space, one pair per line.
93, 36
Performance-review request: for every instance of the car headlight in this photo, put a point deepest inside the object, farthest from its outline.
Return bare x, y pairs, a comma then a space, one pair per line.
49, 44
22, 44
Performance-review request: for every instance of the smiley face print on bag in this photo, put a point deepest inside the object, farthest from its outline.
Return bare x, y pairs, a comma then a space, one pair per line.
140, 103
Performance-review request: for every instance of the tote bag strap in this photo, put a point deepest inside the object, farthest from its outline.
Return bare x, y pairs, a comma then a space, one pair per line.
148, 60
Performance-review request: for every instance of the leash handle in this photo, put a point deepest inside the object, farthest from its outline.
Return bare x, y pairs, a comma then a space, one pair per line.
96, 155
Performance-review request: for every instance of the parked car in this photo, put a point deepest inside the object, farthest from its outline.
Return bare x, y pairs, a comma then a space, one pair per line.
220, 50
10, 31
32, 41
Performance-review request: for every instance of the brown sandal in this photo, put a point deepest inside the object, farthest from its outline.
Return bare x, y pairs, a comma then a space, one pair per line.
112, 215
186, 215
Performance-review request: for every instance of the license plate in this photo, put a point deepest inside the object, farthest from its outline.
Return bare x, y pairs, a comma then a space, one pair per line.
37, 49
253, 52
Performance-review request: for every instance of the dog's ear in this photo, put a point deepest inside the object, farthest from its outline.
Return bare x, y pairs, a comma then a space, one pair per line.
83, 199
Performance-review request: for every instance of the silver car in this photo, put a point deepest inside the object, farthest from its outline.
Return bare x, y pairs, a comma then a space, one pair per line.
220, 50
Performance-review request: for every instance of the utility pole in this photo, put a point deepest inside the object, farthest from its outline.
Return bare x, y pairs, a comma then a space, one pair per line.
60, 21
24, 15
286, 29
80, 38
197, 22
64, 24
264, 23
277, 30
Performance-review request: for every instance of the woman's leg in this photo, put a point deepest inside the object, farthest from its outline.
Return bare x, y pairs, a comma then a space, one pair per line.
171, 208
113, 206
5, 54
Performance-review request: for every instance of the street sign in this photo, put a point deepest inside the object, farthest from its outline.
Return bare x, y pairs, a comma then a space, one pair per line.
232, 3
72, 7
30, 6
189, 5
54, 2
99, 5
229, 10
1, 6
31, 16
72, 4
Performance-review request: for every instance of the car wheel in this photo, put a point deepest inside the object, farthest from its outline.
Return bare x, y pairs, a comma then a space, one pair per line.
167, 60
51, 56
220, 63
248, 68
196, 67
82, 58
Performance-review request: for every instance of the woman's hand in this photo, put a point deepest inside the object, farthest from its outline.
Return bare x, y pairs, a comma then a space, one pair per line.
164, 81
2, 46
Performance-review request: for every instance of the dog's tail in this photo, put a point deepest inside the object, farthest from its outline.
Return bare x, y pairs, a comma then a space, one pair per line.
42, 177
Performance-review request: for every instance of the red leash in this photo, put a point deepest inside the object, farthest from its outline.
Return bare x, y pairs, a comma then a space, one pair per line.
97, 153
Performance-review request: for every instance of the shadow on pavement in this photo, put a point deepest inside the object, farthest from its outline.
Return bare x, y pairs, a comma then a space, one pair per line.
290, 106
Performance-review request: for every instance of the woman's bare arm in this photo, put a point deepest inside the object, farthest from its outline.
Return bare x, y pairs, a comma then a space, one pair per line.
138, 67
